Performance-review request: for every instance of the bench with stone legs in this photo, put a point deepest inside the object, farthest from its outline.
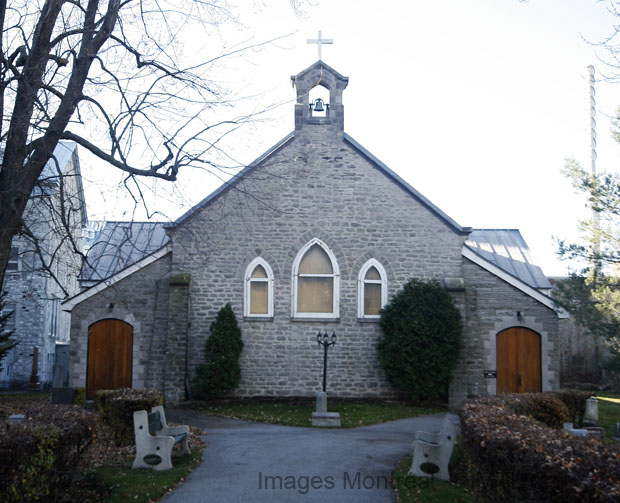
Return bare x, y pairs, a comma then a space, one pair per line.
155, 440
432, 451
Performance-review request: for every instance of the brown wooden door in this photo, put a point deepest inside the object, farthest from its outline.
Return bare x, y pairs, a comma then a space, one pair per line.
110, 345
518, 361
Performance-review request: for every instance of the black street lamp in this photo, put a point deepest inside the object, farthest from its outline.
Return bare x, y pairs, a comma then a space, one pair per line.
323, 340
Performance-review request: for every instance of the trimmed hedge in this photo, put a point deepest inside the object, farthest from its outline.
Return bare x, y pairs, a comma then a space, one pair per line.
39, 458
510, 456
576, 403
116, 408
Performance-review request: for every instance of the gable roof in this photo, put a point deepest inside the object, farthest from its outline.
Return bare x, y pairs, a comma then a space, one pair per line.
71, 302
49, 178
408, 188
506, 249
504, 253
62, 153
348, 139
119, 245
319, 65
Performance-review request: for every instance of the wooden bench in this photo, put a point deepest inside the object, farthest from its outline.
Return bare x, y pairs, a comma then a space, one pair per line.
435, 449
155, 439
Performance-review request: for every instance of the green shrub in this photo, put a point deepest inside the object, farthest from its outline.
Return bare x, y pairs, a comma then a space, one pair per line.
39, 458
511, 457
220, 373
79, 396
576, 403
116, 407
421, 339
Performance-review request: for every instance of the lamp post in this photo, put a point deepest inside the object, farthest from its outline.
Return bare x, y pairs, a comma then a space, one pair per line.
324, 340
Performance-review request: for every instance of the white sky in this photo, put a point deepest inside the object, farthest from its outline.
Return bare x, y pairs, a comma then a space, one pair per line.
476, 104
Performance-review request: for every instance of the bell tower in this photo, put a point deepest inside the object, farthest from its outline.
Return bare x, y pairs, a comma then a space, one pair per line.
328, 113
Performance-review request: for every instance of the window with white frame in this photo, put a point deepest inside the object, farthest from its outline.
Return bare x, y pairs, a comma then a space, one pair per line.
258, 289
316, 282
372, 290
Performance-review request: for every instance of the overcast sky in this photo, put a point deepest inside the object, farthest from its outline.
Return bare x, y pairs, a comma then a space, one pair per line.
476, 104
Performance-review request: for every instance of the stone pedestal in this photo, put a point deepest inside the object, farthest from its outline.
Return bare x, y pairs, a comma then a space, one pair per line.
321, 417
326, 419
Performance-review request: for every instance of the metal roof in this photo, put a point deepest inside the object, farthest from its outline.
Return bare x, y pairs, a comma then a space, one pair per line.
119, 245
506, 249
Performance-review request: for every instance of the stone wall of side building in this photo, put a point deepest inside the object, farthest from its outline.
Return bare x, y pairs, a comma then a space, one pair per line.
491, 305
141, 300
317, 186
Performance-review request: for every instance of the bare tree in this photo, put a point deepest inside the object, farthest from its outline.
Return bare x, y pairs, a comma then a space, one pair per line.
115, 77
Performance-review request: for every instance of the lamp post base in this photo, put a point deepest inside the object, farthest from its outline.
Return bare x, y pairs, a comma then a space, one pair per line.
330, 419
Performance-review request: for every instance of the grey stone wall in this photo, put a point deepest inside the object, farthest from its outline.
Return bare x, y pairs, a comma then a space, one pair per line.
30, 291
140, 300
25, 296
317, 186
491, 305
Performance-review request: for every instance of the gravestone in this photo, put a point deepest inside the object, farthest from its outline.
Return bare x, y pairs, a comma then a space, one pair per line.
590, 417
617, 434
60, 393
16, 419
34, 374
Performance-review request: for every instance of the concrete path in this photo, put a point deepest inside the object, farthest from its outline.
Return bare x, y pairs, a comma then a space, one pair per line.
255, 462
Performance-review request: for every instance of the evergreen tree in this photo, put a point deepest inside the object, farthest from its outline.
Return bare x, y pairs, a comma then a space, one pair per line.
592, 292
220, 373
421, 339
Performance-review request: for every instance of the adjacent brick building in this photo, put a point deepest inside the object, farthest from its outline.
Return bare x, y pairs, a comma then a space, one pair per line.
316, 234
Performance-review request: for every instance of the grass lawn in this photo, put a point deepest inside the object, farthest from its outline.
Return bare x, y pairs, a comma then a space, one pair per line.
425, 490
608, 412
352, 414
140, 486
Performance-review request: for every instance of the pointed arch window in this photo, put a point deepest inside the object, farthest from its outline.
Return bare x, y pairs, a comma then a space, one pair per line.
316, 282
372, 290
258, 289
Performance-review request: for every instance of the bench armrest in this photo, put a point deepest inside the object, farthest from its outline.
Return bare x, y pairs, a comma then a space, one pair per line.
174, 430
429, 438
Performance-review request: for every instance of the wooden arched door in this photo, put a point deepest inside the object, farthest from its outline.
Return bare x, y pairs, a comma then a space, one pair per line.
518, 361
110, 344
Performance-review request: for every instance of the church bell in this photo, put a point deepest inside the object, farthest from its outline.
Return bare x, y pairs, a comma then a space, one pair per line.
318, 105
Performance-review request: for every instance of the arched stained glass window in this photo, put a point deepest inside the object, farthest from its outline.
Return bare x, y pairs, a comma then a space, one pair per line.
372, 289
258, 289
315, 282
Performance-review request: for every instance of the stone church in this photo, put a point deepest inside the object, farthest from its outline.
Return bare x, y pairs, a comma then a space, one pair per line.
316, 234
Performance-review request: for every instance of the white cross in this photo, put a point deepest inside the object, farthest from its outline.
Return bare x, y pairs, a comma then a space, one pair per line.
320, 41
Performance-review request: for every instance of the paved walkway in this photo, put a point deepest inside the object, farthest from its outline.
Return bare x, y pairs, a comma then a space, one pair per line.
255, 462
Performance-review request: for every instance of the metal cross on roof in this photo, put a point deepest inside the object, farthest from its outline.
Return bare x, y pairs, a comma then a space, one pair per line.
320, 41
